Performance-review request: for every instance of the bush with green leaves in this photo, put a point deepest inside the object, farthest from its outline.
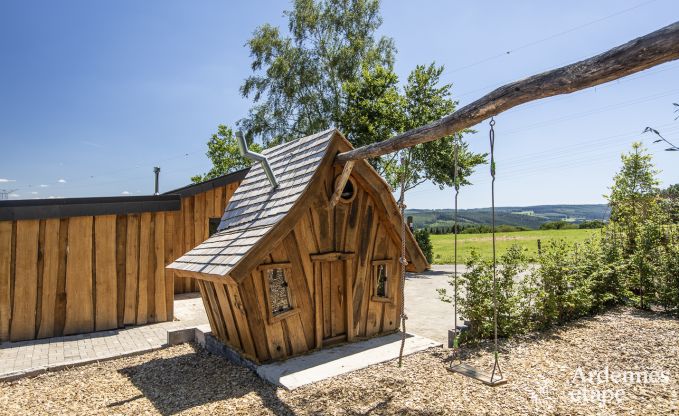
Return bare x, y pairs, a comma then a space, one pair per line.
558, 225
667, 284
477, 303
591, 224
564, 275
424, 241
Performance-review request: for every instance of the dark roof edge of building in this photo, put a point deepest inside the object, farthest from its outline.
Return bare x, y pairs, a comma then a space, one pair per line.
29, 209
205, 186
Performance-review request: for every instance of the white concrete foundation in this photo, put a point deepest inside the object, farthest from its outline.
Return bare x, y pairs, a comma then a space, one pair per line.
330, 362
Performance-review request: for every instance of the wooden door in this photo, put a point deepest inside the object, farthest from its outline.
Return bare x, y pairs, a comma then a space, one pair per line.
332, 300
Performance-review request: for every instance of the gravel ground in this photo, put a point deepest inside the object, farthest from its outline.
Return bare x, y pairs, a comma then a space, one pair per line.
542, 370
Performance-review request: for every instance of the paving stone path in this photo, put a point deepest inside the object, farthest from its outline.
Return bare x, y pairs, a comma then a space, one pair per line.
23, 358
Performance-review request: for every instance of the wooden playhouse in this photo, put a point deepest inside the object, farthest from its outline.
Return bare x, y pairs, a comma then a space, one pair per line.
290, 271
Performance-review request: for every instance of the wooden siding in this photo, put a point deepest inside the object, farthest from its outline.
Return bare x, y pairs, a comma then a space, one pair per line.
63, 276
80, 274
191, 227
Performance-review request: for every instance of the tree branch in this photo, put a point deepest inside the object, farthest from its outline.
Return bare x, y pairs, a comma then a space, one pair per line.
641, 53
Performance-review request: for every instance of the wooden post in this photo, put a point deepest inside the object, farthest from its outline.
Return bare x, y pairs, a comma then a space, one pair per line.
341, 182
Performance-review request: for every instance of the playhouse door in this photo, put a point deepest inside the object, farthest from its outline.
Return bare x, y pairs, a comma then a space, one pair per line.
331, 306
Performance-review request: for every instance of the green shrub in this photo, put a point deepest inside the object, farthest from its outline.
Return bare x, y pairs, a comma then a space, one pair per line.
558, 225
424, 241
591, 224
668, 273
476, 306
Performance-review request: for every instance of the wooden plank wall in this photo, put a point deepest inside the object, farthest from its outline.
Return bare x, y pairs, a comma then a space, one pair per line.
191, 227
80, 274
238, 313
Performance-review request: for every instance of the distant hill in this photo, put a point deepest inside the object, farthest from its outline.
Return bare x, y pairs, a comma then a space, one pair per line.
529, 217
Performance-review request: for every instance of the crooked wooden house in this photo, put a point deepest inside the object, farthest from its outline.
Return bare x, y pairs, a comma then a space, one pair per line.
293, 268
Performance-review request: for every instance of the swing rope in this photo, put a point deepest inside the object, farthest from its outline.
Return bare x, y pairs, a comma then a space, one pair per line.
461, 368
402, 260
496, 365
456, 183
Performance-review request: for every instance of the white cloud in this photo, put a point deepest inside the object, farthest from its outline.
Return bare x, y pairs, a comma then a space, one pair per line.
3, 180
34, 193
92, 144
43, 186
14, 195
125, 193
62, 181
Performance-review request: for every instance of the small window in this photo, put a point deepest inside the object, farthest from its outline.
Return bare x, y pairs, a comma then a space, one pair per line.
381, 283
279, 295
381, 288
214, 225
348, 192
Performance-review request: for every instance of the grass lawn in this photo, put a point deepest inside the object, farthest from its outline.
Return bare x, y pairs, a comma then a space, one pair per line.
483, 243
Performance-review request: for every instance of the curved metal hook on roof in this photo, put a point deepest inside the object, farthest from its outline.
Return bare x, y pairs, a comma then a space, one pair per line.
247, 153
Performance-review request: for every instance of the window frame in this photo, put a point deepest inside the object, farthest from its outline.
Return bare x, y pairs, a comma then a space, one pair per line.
287, 274
353, 185
388, 265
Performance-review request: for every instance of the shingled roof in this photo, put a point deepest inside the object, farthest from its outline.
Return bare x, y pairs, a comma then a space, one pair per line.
255, 207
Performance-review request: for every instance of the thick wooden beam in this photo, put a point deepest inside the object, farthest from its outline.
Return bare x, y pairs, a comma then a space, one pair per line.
641, 53
341, 182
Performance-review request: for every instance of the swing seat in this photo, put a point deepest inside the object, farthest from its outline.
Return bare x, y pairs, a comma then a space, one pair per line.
471, 372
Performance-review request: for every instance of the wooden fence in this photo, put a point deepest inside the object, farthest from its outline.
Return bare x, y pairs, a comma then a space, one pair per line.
90, 264
63, 276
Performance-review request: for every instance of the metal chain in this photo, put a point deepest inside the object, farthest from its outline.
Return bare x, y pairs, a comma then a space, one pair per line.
456, 184
496, 364
402, 260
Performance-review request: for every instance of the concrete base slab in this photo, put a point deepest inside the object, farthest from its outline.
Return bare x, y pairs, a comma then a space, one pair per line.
320, 365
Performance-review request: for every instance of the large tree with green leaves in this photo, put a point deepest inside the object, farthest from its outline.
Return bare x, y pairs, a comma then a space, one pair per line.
222, 150
297, 77
376, 109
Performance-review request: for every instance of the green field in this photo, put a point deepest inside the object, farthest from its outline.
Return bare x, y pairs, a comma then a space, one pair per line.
482, 243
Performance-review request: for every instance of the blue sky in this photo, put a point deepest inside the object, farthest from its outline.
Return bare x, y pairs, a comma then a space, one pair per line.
94, 94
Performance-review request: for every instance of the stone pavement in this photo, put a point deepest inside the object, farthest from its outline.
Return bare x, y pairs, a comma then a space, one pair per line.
427, 317
18, 359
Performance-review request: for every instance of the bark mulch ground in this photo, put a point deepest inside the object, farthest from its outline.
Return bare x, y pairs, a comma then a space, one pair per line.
634, 354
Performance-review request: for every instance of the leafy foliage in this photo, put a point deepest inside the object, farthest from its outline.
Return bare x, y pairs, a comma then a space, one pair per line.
223, 152
376, 109
669, 200
477, 283
633, 196
558, 225
424, 241
297, 77
588, 225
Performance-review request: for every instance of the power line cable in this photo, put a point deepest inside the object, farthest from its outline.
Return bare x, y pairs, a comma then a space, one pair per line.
550, 37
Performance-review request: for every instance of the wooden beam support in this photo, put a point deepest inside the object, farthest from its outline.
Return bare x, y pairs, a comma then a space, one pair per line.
637, 55
332, 256
341, 182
